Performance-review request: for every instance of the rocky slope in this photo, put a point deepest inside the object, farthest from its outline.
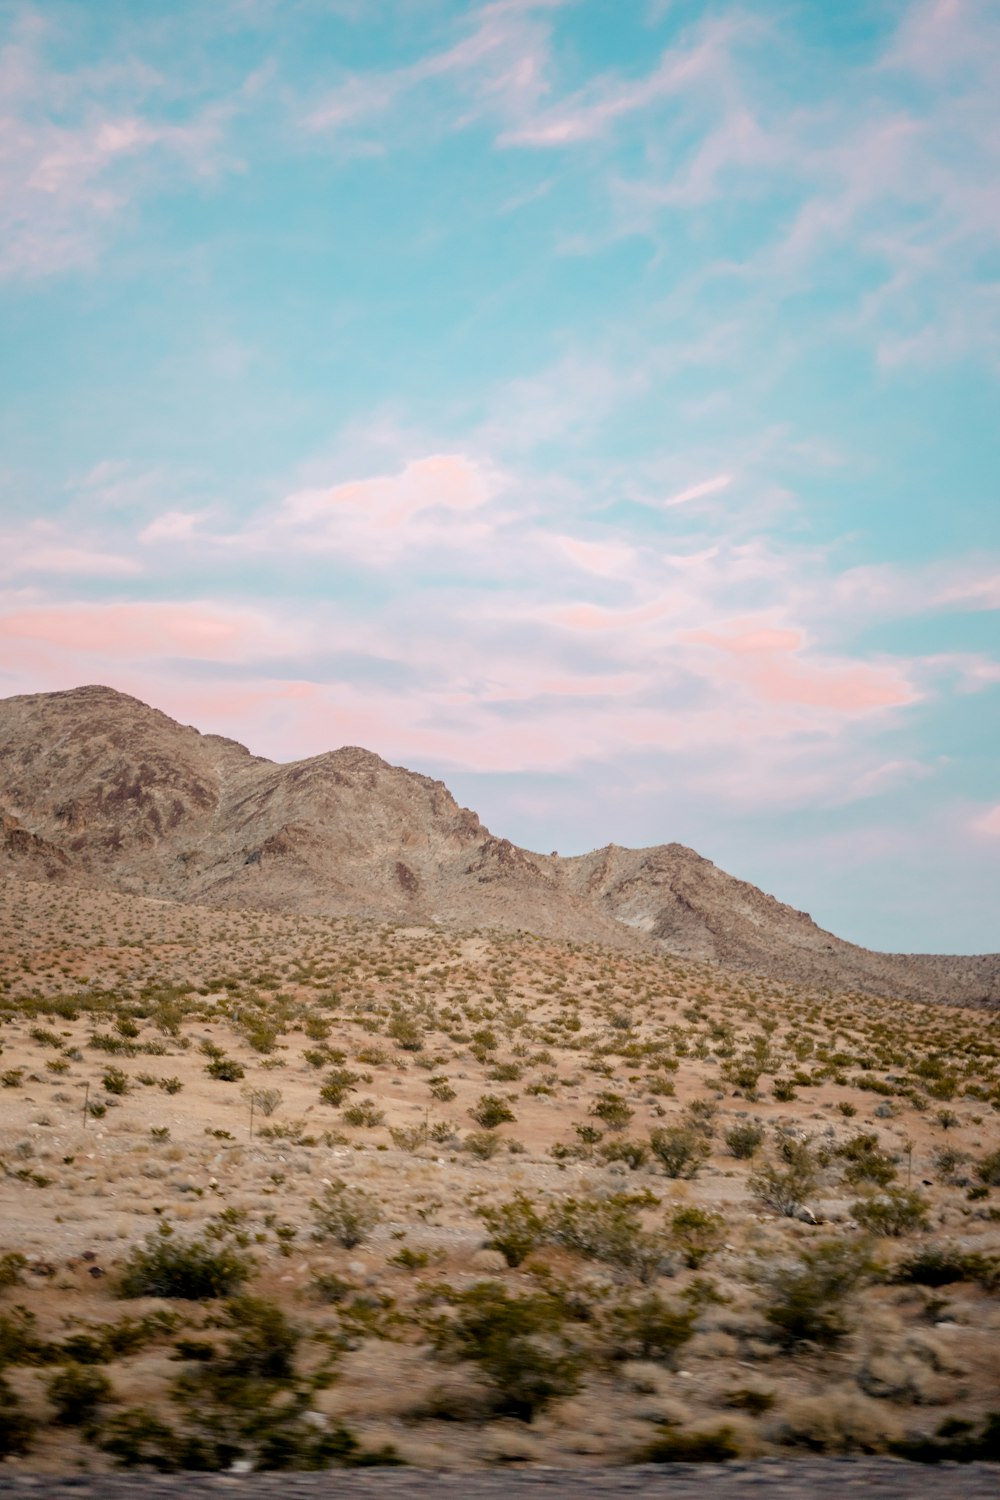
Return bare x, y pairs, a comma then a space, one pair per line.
96, 786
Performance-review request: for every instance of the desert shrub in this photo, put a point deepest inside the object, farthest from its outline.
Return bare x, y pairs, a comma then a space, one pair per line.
345, 1214
697, 1234
751, 1399
12, 1263
135, 1438
192, 1269
515, 1227
265, 1101
409, 1137
943, 1265
517, 1342
16, 1427
405, 1032
171, 1085
956, 1441
482, 1144
116, 1081
680, 1149
634, 1154
337, 1085
743, 1141
988, 1170
784, 1185
77, 1393
784, 1090
949, 1163
865, 1162
895, 1212
365, 1113
806, 1299
612, 1109
12, 1078
706, 1447
20, 1343
264, 1342
492, 1111
650, 1328
441, 1089
609, 1229
225, 1069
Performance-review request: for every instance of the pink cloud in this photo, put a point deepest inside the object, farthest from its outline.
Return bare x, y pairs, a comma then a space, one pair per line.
432, 503
606, 559
988, 823
772, 670
134, 631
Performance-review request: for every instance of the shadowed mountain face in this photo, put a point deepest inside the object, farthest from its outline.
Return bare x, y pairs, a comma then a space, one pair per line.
97, 787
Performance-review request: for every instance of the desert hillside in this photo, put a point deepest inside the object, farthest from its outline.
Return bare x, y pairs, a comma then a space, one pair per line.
96, 787
289, 1191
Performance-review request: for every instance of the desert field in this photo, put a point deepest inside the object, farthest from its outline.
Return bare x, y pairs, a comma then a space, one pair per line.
283, 1191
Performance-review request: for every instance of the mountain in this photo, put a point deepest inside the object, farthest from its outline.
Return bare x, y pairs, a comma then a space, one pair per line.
97, 787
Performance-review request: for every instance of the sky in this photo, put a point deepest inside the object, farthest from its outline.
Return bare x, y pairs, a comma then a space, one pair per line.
594, 404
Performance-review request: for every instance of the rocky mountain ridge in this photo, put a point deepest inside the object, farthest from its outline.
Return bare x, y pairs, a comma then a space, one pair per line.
97, 787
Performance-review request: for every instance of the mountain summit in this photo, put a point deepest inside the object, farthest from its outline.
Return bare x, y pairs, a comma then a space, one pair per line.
96, 786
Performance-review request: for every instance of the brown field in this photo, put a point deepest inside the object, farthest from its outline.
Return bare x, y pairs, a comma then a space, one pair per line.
834, 1291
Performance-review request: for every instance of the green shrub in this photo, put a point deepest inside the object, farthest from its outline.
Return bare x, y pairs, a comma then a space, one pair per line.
697, 1234
784, 1185
988, 1170
895, 1212
806, 1298
673, 1447
515, 1227
116, 1081
680, 1149
743, 1141
264, 1342
517, 1342
609, 1229
612, 1109
16, 1427
650, 1328
492, 1111
78, 1392
943, 1265
865, 1162
225, 1069
345, 1214
365, 1113
956, 1441
405, 1032
11, 1265
191, 1269
337, 1085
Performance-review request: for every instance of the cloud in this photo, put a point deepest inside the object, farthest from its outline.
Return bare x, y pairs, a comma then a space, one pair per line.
138, 631
699, 491
80, 145
972, 593
432, 503
987, 823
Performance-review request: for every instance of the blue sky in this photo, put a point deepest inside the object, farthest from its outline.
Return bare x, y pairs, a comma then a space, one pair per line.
592, 404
